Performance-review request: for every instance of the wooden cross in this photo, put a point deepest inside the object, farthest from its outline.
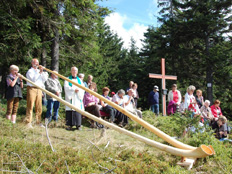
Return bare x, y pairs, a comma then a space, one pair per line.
163, 77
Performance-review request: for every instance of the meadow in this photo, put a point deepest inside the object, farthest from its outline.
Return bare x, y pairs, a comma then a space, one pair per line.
26, 150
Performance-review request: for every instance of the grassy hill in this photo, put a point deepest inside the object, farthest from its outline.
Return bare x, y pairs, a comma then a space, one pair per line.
87, 151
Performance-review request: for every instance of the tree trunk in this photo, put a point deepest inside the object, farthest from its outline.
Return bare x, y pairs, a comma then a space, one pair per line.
43, 56
55, 52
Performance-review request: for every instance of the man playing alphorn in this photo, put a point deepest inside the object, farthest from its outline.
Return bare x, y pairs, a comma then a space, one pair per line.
34, 95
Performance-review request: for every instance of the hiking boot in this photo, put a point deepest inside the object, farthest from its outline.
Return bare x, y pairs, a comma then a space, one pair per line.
69, 128
120, 124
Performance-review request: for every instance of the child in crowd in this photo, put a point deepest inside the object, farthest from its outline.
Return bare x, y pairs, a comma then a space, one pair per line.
181, 107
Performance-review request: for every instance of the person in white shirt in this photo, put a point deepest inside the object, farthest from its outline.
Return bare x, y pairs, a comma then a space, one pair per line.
75, 96
190, 101
118, 98
121, 119
129, 103
34, 95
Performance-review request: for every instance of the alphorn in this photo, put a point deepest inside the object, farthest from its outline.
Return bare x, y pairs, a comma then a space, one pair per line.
146, 125
199, 152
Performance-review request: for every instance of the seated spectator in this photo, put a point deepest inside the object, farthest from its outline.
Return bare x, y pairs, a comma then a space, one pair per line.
199, 98
107, 108
174, 99
216, 110
13, 93
220, 127
112, 95
82, 76
135, 93
130, 104
122, 120
53, 85
118, 98
181, 107
91, 103
206, 113
190, 102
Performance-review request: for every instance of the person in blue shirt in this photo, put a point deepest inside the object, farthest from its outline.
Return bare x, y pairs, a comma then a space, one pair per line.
153, 100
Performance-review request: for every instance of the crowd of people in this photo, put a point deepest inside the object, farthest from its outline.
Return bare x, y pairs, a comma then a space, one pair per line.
73, 95
128, 99
195, 105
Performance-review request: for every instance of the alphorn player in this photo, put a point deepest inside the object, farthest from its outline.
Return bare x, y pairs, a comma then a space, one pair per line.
74, 95
34, 95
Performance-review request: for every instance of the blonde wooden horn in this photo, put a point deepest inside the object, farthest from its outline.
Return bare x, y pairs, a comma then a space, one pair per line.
148, 126
199, 152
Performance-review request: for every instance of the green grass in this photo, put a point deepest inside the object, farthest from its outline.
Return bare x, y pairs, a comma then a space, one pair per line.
112, 151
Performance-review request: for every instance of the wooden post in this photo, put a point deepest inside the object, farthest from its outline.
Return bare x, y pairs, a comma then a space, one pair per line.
163, 77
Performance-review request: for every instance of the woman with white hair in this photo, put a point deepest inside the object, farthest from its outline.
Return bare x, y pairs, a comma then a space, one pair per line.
13, 93
190, 103
82, 76
206, 113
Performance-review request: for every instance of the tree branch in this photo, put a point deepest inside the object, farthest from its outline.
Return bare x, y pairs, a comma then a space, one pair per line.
46, 128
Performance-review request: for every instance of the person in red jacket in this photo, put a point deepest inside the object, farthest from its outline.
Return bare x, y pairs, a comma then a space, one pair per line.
216, 110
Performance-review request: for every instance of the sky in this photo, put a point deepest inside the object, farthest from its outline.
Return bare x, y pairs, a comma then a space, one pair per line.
131, 18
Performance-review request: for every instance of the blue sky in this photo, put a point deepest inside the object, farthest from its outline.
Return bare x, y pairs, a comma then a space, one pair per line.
131, 18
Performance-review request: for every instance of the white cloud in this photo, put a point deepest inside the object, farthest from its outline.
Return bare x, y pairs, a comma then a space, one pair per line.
117, 22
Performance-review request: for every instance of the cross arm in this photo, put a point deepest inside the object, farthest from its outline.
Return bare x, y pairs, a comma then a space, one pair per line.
155, 76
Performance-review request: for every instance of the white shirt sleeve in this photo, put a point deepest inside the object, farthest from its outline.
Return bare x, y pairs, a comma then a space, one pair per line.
179, 97
186, 101
44, 76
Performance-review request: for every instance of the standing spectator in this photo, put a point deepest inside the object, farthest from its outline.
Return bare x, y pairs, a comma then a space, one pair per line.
13, 93
107, 108
206, 113
130, 85
135, 93
90, 80
91, 103
153, 100
82, 76
174, 98
216, 110
190, 101
74, 95
34, 95
199, 98
53, 85
130, 104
